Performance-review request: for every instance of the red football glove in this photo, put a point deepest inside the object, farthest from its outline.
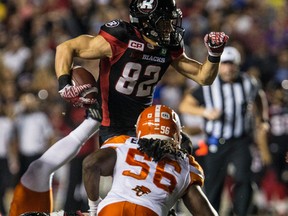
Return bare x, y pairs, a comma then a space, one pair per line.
215, 43
73, 94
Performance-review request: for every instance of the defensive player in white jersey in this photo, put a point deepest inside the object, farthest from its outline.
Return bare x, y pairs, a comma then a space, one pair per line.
150, 172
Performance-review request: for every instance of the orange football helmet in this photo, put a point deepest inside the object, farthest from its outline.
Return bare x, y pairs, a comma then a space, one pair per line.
159, 121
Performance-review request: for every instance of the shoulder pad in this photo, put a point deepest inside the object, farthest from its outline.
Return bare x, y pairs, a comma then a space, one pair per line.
116, 140
118, 29
196, 171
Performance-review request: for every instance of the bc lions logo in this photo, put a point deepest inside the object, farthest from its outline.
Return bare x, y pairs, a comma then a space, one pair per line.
141, 190
147, 6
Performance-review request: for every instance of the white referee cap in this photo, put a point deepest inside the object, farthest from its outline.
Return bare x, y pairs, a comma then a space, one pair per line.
231, 54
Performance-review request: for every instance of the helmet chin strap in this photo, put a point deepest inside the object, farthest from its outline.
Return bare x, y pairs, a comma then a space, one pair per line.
133, 19
150, 41
139, 134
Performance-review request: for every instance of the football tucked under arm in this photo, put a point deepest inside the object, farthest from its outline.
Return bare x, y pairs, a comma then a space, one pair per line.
78, 88
81, 76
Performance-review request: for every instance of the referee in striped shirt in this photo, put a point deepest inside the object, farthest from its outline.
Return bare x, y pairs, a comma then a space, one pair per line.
233, 106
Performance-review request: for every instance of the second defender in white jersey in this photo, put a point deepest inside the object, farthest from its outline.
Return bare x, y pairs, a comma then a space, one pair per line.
150, 172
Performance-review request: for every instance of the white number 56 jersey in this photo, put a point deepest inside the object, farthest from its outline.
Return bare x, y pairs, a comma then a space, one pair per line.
140, 180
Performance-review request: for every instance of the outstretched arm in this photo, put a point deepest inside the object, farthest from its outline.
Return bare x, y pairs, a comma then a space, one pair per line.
99, 163
197, 203
203, 74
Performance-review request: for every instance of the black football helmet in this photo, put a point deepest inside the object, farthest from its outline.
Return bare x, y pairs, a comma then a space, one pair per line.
158, 20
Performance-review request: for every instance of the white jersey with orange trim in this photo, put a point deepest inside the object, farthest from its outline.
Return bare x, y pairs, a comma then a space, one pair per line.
140, 180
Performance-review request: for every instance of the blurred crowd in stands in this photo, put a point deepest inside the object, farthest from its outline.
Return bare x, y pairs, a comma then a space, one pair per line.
30, 30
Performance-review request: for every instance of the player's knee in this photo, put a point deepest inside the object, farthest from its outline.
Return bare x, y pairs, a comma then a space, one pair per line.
39, 168
37, 176
34, 168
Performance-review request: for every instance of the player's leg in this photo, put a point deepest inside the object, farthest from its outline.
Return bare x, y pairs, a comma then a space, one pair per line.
36, 181
25, 200
37, 177
242, 190
215, 166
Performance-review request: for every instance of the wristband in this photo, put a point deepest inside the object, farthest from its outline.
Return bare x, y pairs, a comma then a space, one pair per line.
214, 59
64, 80
93, 204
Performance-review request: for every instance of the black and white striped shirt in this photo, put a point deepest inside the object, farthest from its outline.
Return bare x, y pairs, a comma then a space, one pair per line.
234, 101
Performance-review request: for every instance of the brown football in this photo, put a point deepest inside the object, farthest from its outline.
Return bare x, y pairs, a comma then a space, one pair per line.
81, 76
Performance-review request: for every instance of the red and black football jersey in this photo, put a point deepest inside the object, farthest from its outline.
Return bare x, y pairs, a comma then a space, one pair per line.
127, 79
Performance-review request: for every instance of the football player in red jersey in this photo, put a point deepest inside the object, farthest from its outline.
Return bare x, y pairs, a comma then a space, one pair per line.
133, 57
150, 172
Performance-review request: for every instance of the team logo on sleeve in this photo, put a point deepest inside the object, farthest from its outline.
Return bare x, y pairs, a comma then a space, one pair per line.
112, 24
141, 190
